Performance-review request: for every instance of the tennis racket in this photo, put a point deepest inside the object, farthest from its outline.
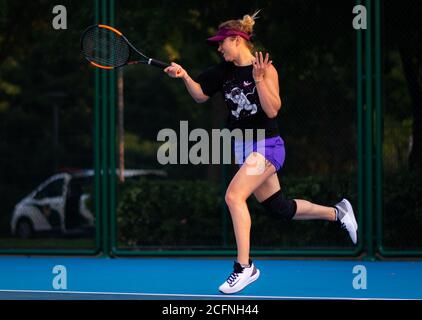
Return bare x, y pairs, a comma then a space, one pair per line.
107, 48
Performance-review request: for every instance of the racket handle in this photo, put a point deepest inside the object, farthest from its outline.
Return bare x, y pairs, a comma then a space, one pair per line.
158, 63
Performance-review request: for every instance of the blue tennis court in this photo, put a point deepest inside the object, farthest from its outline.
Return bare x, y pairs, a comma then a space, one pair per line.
77, 278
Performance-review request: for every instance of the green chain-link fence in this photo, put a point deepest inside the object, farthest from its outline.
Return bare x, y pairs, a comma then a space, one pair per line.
349, 119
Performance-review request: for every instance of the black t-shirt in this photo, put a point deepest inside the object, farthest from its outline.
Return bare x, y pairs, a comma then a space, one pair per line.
241, 96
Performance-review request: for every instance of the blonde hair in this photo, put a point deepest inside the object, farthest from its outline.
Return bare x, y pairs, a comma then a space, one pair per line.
245, 25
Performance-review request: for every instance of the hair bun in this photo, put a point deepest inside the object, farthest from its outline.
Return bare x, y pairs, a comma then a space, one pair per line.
248, 21
245, 24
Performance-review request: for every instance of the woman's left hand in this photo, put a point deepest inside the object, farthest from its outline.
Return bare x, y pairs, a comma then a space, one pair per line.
260, 66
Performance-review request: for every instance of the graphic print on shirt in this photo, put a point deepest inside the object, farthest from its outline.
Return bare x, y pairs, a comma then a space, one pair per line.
242, 106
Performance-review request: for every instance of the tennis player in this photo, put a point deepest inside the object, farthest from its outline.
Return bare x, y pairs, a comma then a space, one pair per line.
249, 84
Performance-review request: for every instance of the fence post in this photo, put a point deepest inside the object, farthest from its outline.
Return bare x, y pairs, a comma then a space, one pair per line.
368, 136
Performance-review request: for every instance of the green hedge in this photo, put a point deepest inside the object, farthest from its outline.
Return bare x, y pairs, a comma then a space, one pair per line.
189, 214
169, 213
402, 210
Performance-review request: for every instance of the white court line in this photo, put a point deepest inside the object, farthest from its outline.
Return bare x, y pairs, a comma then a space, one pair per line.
197, 295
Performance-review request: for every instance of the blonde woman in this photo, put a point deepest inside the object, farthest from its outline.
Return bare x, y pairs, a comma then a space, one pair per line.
249, 84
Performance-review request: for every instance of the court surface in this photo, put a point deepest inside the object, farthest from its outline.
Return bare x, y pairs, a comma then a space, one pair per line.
87, 278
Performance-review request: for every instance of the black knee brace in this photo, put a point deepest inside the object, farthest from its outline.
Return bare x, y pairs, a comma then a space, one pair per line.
281, 207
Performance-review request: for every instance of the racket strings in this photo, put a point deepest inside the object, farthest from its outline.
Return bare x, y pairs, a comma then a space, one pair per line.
105, 47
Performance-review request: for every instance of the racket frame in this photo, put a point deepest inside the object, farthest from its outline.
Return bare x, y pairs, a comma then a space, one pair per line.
146, 60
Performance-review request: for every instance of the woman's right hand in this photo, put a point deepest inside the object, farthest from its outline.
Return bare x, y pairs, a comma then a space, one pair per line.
175, 71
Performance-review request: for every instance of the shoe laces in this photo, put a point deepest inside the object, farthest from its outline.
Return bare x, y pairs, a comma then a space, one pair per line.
235, 274
232, 278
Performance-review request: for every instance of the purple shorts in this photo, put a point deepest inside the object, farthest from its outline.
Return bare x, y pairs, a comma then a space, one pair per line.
271, 148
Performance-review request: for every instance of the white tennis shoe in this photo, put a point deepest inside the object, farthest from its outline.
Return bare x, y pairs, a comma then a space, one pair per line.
347, 219
239, 278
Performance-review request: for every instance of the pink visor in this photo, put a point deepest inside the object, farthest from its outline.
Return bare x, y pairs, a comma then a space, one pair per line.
224, 33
